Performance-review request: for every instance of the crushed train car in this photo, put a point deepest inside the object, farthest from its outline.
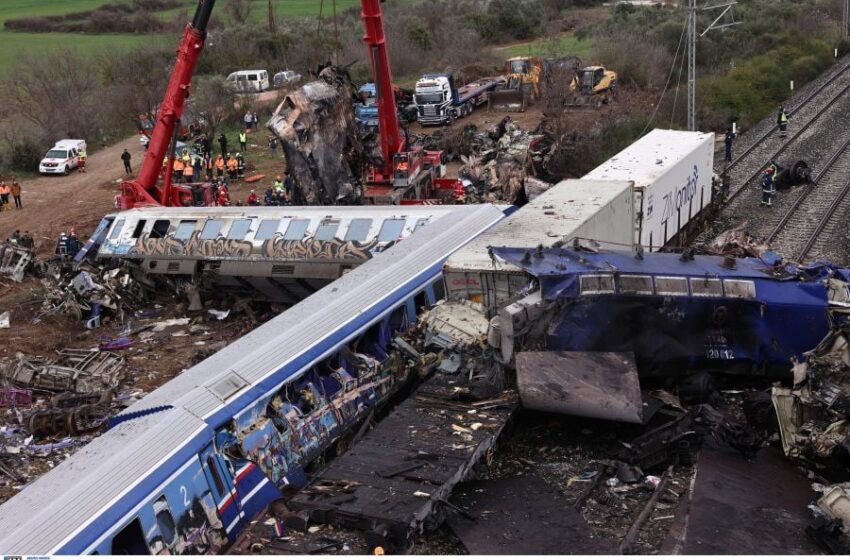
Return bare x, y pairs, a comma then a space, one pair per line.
670, 314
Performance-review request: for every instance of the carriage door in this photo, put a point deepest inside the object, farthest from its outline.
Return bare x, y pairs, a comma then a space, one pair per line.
223, 489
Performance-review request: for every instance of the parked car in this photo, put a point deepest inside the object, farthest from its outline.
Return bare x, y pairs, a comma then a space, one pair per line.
249, 81
287, 78
63, 157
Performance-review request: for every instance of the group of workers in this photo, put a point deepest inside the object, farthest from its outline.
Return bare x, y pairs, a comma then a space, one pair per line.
10, 190
769, 173
192, 168
279, 194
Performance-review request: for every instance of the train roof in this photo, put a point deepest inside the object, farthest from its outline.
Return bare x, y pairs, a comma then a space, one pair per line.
557, 269
652, 156
551, 217
283, 212
167, 428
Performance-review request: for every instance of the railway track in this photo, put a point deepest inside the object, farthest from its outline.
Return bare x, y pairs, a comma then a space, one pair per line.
768, 146
813, 216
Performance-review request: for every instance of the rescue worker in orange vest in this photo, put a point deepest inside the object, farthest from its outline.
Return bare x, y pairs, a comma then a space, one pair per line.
232, 167
4, 196
188, 171
219, 165
177, 169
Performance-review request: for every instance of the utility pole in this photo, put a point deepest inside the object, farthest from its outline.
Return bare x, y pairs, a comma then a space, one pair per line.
273, 27
845, 16
692, 49
692, 66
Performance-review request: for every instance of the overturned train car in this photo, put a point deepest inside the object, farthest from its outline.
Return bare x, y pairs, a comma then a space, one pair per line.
185, 468
283, 253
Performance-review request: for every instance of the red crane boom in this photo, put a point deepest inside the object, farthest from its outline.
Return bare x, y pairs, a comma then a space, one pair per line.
143, 191
391, 140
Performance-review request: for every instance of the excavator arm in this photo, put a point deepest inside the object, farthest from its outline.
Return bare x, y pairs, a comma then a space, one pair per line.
143, 191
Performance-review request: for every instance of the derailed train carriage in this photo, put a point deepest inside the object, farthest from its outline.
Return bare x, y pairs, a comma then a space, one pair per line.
184, 469
663, 315
282, 253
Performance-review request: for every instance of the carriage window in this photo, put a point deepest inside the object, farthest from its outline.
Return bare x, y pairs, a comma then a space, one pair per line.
116, 229
130, 541
219, 485
706, 287
358, 230
744, 289
159, 229
391, 230
266, 230
139, 227
597, 284
184, 229
326, 230
239, 229
211, 229
296, 230
671, 286
631, 284
165, 521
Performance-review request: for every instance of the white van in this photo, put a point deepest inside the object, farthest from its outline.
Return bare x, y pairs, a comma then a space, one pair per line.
249, 81
63, 157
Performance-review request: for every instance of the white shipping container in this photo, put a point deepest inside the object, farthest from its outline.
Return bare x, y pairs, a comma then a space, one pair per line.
598, 210
672, 171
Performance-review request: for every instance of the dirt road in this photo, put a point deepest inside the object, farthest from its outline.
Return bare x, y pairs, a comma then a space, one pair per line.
56, 203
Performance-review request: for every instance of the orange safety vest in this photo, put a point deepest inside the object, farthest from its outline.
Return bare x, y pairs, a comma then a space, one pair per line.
188, 171
219, 162
178, 165
232, 164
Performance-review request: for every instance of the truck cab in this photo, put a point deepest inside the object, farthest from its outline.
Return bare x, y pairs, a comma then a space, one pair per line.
366, 110
434, 99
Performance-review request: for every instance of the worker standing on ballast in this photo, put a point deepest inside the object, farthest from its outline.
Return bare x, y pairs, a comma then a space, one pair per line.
727, 141
768, 186
782, 122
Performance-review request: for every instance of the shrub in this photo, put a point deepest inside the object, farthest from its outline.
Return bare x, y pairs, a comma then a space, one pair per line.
25, 157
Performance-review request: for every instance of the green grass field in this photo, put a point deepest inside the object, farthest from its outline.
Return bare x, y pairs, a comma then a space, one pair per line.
567, 44
14, 44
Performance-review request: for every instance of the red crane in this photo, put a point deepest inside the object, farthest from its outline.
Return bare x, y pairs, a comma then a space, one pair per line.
143, 191
408, 175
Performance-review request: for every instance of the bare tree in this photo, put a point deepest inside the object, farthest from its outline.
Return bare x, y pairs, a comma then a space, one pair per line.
239, 11
138, 82
215, 100
58, 94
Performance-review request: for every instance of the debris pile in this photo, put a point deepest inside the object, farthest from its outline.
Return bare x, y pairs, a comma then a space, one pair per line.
737, 242
316, 127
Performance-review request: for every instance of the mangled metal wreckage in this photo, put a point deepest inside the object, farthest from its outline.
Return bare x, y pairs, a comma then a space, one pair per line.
589, 324
316, 127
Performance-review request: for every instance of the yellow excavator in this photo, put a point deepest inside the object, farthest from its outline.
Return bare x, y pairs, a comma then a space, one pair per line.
521, 86
592, 86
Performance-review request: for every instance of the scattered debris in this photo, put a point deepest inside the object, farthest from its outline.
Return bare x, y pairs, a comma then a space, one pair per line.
78, 371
